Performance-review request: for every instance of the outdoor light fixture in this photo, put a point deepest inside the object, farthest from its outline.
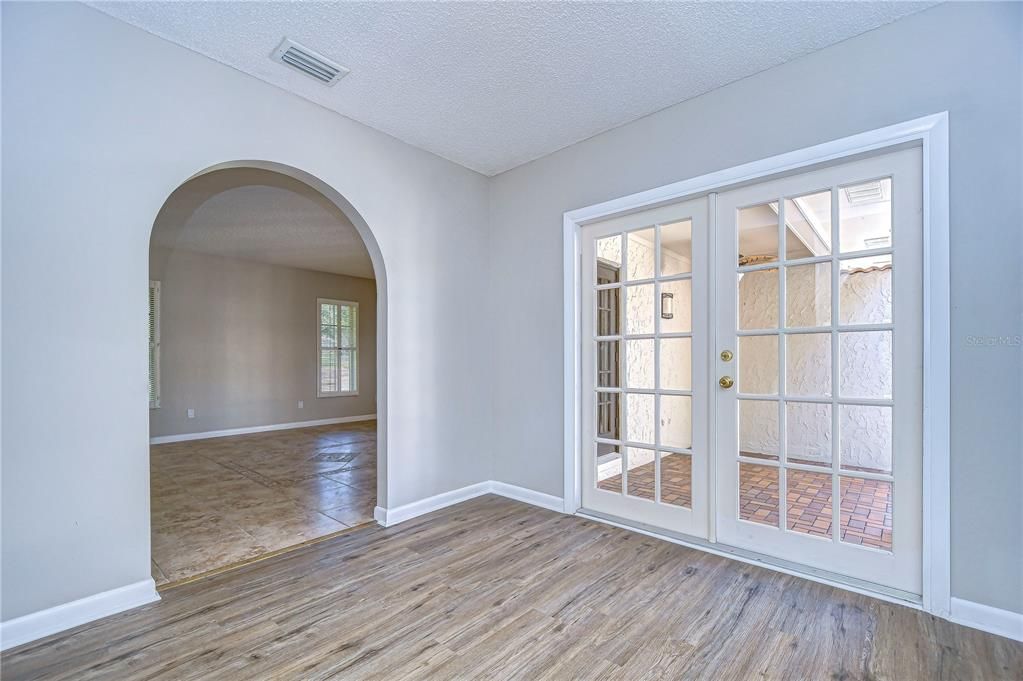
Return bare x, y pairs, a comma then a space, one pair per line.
667, 306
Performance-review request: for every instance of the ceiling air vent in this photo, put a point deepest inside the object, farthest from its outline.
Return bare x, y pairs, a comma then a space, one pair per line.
307, 61
868, 192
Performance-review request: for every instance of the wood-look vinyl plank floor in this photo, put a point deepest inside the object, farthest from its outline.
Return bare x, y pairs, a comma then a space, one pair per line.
495, 589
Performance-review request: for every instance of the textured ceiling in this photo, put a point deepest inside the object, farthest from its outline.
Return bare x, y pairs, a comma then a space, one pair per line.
262, 216
491, 85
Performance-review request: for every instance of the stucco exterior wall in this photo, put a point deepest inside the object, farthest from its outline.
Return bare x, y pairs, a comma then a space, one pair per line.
642, 308
865, 365
865, 360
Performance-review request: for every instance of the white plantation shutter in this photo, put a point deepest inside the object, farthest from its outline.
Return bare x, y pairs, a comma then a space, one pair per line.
338, 347
154, 344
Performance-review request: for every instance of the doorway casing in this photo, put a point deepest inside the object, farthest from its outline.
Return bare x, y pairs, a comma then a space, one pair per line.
931, 132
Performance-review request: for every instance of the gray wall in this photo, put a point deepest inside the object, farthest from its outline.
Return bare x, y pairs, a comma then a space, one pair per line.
98, 129
964, 58
238, 343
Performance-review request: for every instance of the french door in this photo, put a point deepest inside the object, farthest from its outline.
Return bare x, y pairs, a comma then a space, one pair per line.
646, 403
756, 381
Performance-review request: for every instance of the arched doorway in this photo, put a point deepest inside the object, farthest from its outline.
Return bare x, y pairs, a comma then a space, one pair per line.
260, 440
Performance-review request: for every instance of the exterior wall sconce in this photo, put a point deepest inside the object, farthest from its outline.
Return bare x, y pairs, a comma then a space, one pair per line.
667, 306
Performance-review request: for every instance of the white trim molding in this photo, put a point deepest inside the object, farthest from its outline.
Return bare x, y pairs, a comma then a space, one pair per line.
986, 618
393, 516
59, 618
388, 517
931, 133
527, 496
184, 437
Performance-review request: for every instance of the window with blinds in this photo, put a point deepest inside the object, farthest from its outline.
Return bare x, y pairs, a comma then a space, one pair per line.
154, 344
338, 352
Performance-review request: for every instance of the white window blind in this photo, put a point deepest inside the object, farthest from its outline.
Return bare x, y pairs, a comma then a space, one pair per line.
154, 344
338, 350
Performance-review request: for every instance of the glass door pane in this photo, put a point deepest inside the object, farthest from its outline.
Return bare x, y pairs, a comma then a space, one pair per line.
810, 431
646, 329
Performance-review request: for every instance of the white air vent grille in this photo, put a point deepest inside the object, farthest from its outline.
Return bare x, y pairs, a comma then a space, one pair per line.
307, 61
868, 192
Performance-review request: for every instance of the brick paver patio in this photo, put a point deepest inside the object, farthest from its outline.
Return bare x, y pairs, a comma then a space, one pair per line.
866, 505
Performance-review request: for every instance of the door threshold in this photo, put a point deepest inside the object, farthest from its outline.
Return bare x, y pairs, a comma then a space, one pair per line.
838, 581
263, 556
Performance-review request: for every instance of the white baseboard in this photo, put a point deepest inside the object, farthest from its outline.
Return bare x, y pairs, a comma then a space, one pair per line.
393, 516
986, 618
164, 439
61, 617
548, 501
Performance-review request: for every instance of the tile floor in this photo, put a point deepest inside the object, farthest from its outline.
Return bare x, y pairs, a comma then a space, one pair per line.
866, 505
225, 500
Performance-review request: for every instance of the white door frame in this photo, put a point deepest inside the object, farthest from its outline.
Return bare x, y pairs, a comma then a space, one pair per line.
932, 133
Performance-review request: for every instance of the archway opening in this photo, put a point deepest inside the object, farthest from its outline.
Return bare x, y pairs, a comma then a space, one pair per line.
267, 365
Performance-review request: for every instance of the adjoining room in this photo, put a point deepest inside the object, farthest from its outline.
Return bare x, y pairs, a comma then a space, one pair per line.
262, 373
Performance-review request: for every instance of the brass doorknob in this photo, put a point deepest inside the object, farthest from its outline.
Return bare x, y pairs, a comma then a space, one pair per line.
726, 382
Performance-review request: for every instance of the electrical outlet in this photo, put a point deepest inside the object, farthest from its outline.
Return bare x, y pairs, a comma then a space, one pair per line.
301, 404
191, 413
